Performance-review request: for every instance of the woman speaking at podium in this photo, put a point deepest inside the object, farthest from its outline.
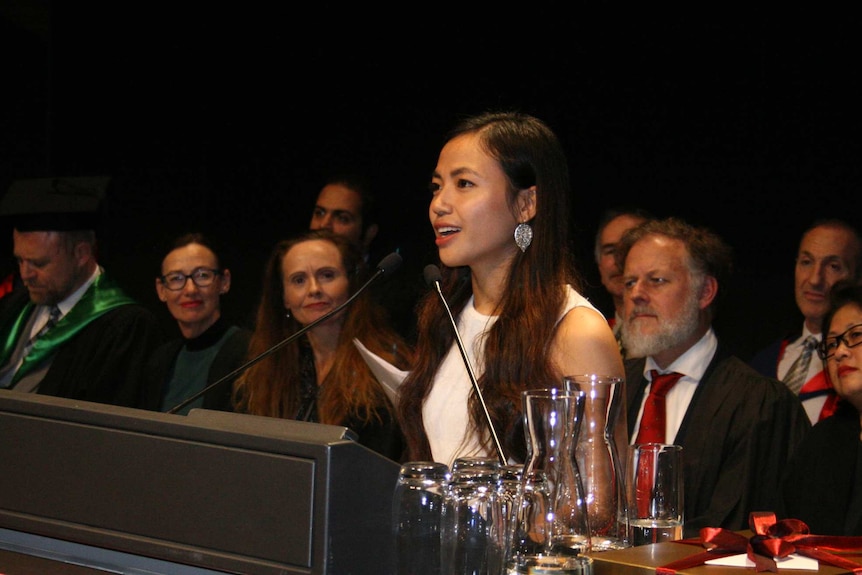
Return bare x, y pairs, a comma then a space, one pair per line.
499, 210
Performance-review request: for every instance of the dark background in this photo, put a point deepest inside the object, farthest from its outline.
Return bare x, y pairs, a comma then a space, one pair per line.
224, 119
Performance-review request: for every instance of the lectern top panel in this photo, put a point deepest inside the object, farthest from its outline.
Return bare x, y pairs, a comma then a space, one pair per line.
217, 490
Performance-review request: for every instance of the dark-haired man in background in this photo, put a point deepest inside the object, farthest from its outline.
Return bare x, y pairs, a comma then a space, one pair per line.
346, 205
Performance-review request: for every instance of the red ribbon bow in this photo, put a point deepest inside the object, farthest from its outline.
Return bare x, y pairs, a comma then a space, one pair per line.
771, 539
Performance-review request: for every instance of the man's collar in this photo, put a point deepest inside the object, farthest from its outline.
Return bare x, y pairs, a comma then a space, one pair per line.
73, 298
693, 362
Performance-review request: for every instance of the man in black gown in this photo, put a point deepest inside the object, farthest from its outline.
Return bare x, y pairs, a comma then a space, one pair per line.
736, 426
69, 330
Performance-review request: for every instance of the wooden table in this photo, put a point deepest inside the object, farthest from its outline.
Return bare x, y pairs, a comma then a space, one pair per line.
644, 559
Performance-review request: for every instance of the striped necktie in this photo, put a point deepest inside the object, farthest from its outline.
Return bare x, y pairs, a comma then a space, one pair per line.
797, 375
21, 351
53, 318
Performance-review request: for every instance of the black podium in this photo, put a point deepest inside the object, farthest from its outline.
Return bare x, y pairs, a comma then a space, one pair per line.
210, 492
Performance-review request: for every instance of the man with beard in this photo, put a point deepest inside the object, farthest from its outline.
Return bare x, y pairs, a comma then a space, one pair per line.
736, 426
70, 330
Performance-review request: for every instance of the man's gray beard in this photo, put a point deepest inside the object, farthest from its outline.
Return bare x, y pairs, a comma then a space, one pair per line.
671, 332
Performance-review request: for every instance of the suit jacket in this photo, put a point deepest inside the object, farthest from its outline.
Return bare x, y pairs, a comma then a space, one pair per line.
822, 485
104, 362
737, 435
766, 362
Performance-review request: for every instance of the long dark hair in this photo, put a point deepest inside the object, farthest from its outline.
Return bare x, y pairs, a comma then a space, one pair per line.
516, 355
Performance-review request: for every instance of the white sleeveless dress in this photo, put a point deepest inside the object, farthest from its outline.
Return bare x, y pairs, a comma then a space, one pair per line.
445, 411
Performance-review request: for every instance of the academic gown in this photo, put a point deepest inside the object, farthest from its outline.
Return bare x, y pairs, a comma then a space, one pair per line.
737, 435
104, 362
822, 485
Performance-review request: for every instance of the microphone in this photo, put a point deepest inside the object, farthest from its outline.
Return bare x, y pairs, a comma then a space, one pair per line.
386, 267
433, 277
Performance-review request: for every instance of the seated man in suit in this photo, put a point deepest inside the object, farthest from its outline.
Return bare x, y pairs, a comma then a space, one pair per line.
71, 331
829, 251
736, 426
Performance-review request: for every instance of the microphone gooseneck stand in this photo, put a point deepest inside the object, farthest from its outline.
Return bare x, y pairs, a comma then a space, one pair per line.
433, 277
386, 267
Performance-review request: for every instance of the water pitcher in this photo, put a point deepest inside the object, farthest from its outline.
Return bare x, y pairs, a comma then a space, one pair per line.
551, 528
600, 454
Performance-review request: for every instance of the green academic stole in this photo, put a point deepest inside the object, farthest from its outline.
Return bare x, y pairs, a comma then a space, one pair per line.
102, 296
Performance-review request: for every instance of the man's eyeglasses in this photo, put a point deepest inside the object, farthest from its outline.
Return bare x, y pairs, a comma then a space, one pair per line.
202, 277
850, 338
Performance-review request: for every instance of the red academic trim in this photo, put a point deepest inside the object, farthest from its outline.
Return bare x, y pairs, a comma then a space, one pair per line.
7, 285
816, 386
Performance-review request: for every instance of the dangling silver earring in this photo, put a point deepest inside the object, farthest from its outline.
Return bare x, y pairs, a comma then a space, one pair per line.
287, 314
523, 236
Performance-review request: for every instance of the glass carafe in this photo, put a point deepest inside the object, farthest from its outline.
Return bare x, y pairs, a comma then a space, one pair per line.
600, 454
551, 528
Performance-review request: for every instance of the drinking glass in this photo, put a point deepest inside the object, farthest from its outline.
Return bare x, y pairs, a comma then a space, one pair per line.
508, 491
417, 516
473, 527
654, 493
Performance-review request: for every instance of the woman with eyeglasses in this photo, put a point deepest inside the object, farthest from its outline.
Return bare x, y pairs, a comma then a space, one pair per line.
191, 284
321, 376
823, 481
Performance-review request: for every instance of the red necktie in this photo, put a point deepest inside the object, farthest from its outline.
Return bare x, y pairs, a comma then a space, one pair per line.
653, 420
651, 430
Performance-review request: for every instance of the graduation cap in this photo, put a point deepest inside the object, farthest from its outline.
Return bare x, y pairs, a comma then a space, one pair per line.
54, 204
